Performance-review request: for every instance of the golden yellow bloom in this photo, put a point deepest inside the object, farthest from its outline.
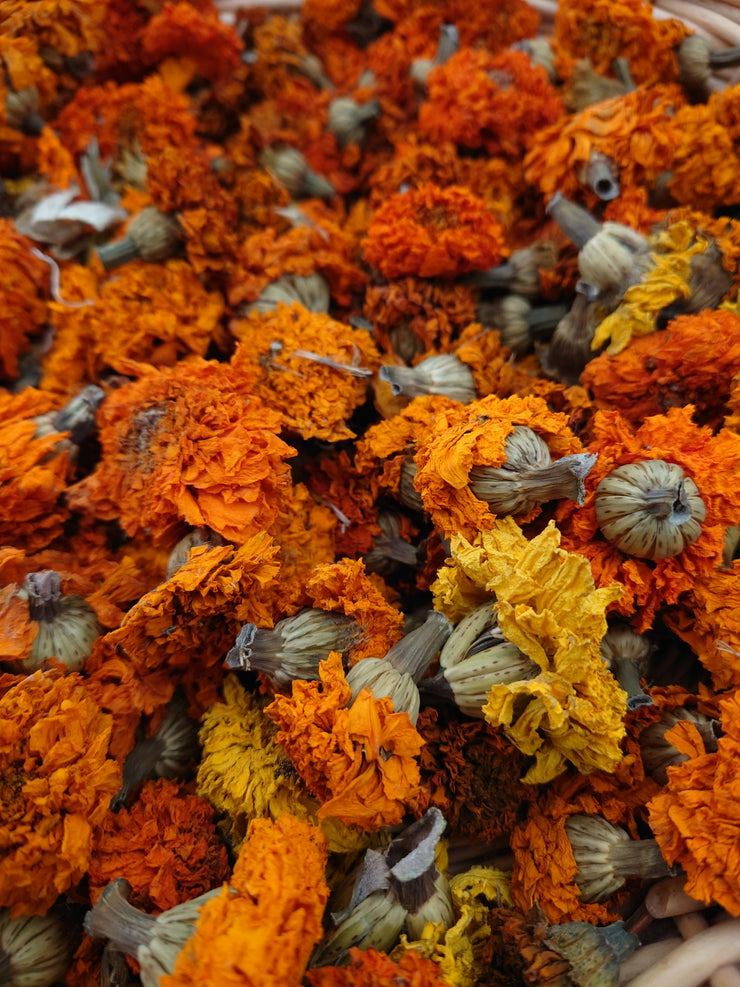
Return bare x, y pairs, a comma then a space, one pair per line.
673, 251
547, 605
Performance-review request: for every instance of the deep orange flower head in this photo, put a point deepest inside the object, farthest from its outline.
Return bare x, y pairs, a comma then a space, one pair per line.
602, 30
153, 313
361, 760
165, 845
695, 818
710, 460
190, 444
691, 362
263, 927
69, 29
495, 102
34, 472
345, 587
431, 231
464, 436
369, 968
183, 30
635, 131
309, 367
57, 781
22, 301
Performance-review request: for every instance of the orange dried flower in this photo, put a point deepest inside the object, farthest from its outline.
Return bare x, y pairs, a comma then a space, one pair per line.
695, 818
369, 968
57, 781
495, 102
431, 231
361, 761
22, 301
189, 443
708, 459
466, 436
165, 845
344, 587
309, 367
692, 362
185, 31
262, 931
602, 31
70, 29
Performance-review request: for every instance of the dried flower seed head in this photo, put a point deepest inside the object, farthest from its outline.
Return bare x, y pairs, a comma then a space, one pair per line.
529, 477
595, 954
658, 753
445, 374
309, 290
626, 653
448, 44
570, 347
519, 323
586, 87
437, 909
348, 119
78, 417
22, 111
540, 53
382, 679
520, 273
408, 495
390, 549
414, 653
649, 509
151, 236
290, 167
196, 537
67, 625
153, 941
168, 754
35, 951
295, 646
697, 62
401, 879
607, 856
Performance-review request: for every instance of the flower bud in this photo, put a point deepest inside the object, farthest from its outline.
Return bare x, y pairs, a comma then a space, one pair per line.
594, 953
389, 549
540, 53
607, 856
348, 119
649, 509
22, 111
570, 347
152, 236
445, 374
529, 477
295, 645
195, 538
310, 290
408, 495
520, 274
35, 950
67, 625
290, 167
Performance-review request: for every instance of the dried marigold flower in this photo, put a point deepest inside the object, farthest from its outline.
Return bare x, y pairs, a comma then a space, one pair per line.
226, 471
165, 845
150, 236
360, 761
656, 750
58, 780
369, 968
650, 509
432, 232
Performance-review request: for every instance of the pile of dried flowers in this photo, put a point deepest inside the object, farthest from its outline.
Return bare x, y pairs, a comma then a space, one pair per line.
370, 494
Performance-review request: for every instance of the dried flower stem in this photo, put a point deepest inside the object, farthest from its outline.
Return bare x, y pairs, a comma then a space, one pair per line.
694, 924
646, 957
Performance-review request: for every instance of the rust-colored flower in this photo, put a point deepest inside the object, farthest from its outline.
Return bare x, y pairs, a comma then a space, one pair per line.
695, 818
187, 444
602, 31
183, 30
369, 968
691, 362
69, 30
431, 231
22, 304
309, 367
703, 457
165, 845
57, 781
495, 102
263, 927
361, 760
